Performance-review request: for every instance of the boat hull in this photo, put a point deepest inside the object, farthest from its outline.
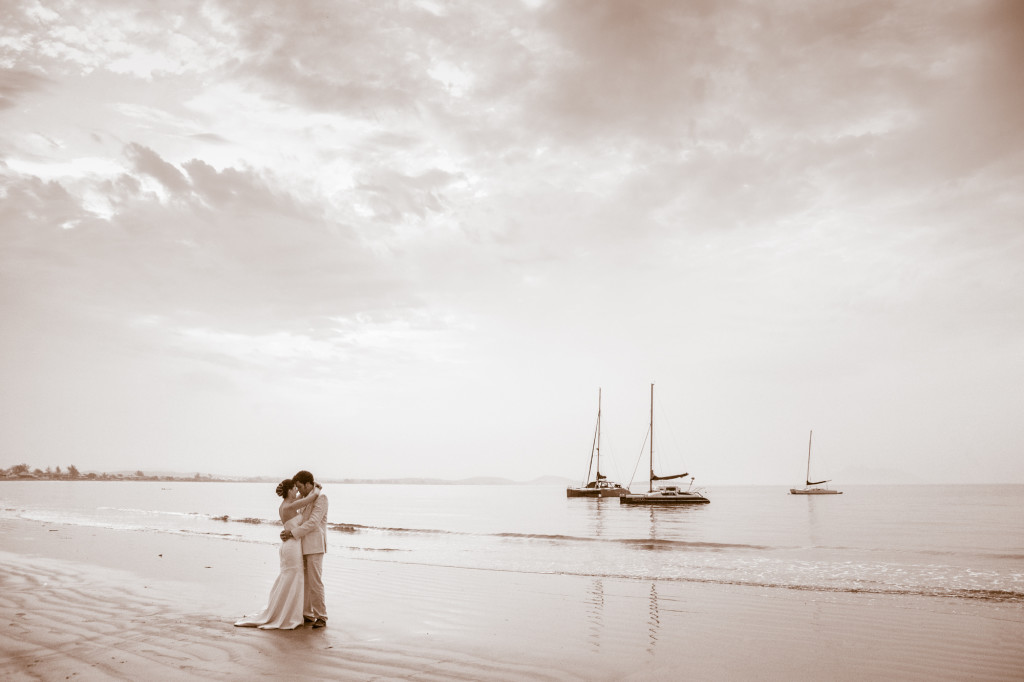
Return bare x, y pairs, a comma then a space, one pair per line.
595, 492
654, 499
814, 491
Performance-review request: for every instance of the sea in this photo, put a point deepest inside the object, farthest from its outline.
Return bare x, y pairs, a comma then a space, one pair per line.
961, 542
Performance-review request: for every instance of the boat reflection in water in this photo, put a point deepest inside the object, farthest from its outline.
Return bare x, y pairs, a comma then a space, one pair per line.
663, 495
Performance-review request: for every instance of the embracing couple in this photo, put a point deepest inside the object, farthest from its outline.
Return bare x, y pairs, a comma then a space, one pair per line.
298, 593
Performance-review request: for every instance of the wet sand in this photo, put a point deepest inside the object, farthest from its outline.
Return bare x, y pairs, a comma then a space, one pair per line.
85, 603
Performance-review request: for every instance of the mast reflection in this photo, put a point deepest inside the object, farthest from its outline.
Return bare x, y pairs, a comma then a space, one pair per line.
653, 619
595, 614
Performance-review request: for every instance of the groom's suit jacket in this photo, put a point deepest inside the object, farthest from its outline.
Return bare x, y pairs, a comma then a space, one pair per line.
313, 530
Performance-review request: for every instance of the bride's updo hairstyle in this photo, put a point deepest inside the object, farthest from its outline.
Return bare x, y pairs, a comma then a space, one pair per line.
284, 486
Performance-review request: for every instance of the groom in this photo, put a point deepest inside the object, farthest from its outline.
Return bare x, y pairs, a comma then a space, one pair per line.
313, 535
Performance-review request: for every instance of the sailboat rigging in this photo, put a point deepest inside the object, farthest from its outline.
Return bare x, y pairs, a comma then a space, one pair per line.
600, 486
808, 489
662, 495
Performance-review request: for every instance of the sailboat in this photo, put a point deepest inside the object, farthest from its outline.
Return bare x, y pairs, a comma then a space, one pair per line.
600, 486
663, 495
808, 489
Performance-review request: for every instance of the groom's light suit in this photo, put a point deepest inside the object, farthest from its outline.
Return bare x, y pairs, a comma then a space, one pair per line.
313, 535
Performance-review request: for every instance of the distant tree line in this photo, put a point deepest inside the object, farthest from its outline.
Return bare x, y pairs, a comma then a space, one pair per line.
26, 472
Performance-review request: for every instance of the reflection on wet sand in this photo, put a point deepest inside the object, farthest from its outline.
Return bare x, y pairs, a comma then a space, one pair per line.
595, 614
653, 619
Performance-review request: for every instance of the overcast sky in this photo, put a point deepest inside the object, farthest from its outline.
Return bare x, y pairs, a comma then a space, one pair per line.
383, 239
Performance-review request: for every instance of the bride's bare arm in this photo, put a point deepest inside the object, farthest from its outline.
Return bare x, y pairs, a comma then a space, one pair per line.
301, 502
288, 509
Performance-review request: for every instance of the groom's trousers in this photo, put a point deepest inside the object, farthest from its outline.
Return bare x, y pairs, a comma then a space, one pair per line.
313, 603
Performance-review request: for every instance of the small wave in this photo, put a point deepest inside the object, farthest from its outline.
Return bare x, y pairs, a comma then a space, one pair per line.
147, 512
1003, 596
354, 527
636, 543
1010, 556
995, 596
248, 519
639, 543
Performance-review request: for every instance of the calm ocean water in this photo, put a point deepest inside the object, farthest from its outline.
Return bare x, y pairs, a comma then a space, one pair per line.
947, 541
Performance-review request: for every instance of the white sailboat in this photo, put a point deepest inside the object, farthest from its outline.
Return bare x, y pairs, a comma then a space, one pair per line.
663, 495
600, 486
809, 488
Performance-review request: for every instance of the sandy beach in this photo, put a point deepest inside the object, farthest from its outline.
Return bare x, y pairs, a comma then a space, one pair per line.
89, 603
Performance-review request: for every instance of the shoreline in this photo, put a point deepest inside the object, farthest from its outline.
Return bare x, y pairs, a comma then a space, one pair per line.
107, 604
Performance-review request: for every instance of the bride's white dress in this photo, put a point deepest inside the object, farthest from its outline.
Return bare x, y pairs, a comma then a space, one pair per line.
284, 609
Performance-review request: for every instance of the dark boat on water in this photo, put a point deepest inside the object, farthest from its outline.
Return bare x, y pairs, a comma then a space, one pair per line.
600, 486
663, 495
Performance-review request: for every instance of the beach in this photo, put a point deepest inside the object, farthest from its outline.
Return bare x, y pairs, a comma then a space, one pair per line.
88, 603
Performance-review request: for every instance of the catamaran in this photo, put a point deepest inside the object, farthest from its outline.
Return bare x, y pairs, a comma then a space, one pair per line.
600, 486
663, 495
809, 489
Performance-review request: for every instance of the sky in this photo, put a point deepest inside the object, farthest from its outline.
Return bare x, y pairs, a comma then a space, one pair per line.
415, 239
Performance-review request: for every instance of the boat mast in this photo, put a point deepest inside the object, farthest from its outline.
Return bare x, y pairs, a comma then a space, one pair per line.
597, 445
650, 477
593, 443
809, 439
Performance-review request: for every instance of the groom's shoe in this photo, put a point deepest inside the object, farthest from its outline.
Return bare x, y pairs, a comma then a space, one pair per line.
307, 619
320, 623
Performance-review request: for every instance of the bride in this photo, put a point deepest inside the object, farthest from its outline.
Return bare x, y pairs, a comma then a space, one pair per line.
284, 609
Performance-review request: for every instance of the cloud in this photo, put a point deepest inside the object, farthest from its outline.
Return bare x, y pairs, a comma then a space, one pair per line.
16, 82
147, 161
212, 138
391, 196
266, 260
356, 58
